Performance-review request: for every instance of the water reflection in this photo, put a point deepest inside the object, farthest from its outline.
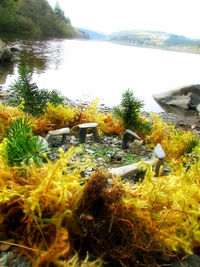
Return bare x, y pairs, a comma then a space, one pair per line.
37, 54
5, 70
32, 54
32, 60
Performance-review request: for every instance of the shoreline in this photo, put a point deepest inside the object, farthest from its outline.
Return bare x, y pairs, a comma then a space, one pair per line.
177, 120
163, 48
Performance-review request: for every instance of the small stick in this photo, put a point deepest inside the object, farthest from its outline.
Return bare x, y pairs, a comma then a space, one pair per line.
111, 223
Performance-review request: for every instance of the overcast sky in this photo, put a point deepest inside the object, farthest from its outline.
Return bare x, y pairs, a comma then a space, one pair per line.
173, 16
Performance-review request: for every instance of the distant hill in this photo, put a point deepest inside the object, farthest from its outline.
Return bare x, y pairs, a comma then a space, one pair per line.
155, 39
89, 34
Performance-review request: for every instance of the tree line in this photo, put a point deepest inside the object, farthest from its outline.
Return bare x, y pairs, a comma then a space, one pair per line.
35, 18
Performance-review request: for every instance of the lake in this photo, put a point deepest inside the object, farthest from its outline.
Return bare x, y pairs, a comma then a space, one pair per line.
82, 69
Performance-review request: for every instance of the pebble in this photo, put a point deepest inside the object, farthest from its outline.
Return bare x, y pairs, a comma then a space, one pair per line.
89, 151
191, 261
100, 160
7, 259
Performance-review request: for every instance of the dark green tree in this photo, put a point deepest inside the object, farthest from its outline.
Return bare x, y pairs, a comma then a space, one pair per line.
60, 13
129, 111
7, 15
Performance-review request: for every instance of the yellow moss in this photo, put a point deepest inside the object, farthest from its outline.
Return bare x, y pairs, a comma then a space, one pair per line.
160, 131
75, 262
7, 115
21, 105
43, 200
65, 116
45, 196
174, 141
108, 124
168, 206
55, 117
62, 114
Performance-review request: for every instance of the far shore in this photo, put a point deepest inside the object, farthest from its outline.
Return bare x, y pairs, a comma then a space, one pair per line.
184, 49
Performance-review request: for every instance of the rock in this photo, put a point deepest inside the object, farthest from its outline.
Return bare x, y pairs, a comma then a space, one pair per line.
8, 259
182, 102
118, 143
90, 151
100, 160
116, 156
191, 261
59, 132
83, 131
159, 152
73, 141
43, 142
3, 77
5, 53
136, 146
126, 136
14, 49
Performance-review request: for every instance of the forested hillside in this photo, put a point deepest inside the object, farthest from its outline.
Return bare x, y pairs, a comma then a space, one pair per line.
35, 18
156, 40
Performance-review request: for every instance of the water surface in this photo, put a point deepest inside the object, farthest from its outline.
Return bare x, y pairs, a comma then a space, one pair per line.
88, 69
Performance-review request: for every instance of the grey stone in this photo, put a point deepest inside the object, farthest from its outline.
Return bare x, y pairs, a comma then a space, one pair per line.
14, 49
5, 257
160, 155
182, 101
191, 261
118, 143
159, 152
198, 108
73, 140
8, 259
116, 156
89, 151
100, 160
83, 131
136, 146
50, 136
5, 53
43, 141
126, 136
60, 131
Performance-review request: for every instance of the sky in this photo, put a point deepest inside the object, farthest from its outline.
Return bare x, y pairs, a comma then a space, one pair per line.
173, 16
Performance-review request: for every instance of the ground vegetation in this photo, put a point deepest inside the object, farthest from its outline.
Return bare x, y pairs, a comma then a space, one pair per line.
54, 216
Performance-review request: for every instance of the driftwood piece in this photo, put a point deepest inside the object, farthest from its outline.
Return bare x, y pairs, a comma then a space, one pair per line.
128, 170
132, 169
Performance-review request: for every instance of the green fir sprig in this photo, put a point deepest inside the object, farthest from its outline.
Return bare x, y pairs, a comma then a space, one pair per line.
129, 112
22, 145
